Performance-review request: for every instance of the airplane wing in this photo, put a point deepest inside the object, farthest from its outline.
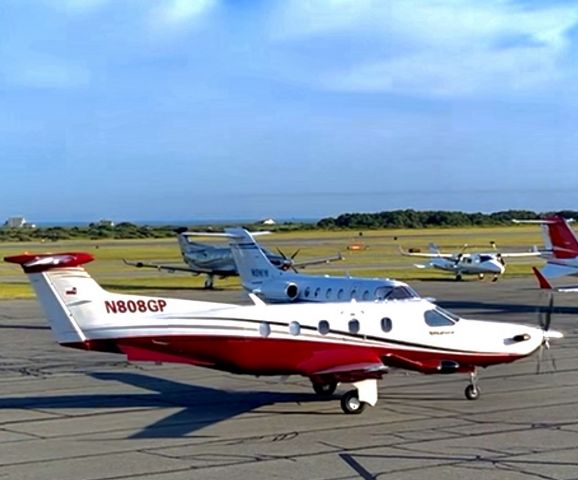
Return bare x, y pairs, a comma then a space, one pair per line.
533, 253
317, 261
167, 268
408, 253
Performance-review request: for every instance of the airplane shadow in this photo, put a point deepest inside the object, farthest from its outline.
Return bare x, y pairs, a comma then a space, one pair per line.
199, 406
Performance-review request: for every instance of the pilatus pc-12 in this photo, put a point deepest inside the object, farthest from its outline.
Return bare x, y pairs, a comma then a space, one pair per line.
329, 343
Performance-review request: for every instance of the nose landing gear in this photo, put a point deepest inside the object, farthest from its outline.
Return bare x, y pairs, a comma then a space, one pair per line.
472, 391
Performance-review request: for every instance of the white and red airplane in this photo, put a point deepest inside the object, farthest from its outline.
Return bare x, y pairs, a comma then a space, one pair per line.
561, 250
329, 343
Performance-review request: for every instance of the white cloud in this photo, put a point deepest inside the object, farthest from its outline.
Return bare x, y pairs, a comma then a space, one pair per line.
436, 47
180, 14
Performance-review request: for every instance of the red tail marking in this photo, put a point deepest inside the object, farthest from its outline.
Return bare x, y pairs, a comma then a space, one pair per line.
41, 262
545, 284
564, 242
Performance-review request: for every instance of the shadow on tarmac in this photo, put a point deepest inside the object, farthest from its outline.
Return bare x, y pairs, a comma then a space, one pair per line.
201, 406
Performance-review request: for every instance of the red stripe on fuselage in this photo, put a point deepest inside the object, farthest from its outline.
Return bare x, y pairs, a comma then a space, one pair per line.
271, 356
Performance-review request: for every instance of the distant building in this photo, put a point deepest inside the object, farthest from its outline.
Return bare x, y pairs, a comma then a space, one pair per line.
105, 223
18, 222
268, 221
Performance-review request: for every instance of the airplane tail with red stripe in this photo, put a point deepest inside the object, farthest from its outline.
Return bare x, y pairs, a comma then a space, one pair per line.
78, 309
560, 237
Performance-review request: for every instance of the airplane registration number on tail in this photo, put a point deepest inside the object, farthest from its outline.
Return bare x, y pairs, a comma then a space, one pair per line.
133, 306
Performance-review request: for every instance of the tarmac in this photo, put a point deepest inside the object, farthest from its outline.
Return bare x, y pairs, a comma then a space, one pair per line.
67, 414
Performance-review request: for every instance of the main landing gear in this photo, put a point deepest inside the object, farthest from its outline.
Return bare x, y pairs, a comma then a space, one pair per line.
324, 389
355, 401
459, 277
472, 391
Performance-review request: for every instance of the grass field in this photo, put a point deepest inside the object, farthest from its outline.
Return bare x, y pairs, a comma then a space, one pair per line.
380, 258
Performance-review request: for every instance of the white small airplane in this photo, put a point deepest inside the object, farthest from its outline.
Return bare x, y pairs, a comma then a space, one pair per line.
217, 260
467, 263
259, 276
329, 343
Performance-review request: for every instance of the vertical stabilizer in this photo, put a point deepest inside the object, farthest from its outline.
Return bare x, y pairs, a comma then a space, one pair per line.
253, 265
60, 285
561, 237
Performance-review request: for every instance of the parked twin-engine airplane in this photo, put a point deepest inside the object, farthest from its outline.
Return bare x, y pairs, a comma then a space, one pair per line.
467, 263
259, 275
327, 342
217, 261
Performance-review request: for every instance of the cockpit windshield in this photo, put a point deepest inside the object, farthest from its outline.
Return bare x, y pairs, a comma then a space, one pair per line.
399, 292
439, 317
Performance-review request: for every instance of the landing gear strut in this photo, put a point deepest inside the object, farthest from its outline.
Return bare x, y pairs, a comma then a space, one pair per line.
472, 391
324, 389
209, 280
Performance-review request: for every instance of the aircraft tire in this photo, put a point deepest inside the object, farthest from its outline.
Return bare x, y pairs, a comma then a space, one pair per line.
351, 404
324, 389
472, 392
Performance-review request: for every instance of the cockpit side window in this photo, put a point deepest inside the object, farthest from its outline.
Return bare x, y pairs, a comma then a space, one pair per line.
400, 293
438, 318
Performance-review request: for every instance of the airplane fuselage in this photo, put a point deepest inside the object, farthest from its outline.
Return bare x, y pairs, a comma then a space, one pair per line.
475, 264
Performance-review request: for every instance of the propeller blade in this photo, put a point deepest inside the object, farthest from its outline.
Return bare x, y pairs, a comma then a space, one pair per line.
548, 316
281, 253
295, 253
539, 360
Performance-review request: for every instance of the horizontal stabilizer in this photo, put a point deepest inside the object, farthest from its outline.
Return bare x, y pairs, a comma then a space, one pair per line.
41, 262
555, 270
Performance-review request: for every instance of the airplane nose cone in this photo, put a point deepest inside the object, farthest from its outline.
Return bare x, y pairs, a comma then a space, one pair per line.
496, 267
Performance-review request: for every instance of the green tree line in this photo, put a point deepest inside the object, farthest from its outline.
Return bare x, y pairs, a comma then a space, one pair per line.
432, 218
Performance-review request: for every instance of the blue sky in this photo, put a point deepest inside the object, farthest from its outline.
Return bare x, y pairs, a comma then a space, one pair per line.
203, 109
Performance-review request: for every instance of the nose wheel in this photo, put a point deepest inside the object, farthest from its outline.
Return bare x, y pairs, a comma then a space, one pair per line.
472, 391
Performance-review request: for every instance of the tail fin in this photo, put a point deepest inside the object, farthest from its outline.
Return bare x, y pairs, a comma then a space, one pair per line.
80, 311
59, 284
433, 248
253, 265
559, 239
562, 238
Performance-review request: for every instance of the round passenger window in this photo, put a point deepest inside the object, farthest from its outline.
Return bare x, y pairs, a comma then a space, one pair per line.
340, 294
294, 328
323, 327
264, 329
328, 294
386, 324
366, 295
